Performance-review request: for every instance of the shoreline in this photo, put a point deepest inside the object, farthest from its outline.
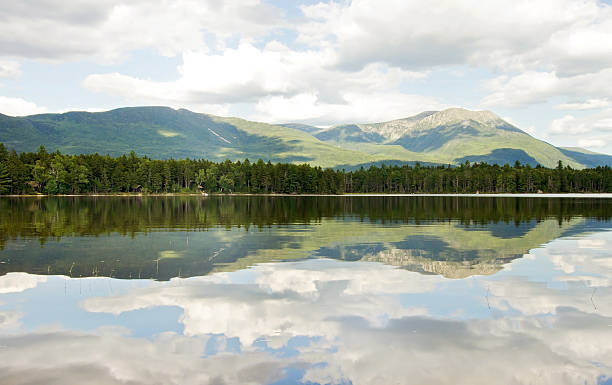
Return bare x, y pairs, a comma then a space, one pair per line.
474, 195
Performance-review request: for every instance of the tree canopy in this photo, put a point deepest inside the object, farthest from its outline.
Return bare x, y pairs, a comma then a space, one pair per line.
57, 173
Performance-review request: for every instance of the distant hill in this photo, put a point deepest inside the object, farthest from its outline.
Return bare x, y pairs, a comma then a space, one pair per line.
451, 136
586, 157
454, 136
162, 132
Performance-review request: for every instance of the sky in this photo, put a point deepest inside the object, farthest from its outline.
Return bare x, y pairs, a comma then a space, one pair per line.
544, 66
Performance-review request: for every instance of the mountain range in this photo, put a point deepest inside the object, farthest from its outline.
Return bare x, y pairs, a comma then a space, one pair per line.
451, 136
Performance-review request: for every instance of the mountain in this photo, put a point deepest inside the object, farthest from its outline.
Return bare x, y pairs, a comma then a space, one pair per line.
586, 157
454, 136
162, 132
450, 136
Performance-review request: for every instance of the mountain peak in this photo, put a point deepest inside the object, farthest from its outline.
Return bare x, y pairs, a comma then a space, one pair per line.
461, 114
395, 129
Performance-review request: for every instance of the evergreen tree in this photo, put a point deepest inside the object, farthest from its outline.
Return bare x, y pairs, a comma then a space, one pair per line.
3, 152
5, 179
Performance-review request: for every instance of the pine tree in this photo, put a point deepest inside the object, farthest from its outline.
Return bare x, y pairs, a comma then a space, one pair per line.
5, 179
3, 153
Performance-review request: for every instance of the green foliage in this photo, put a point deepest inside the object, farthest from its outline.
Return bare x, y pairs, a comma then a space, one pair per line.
5, 180
57, 173
3, 153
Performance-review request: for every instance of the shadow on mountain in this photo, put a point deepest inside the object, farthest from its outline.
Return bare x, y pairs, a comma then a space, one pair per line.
434, 139
589, 160
501, 157
389, 163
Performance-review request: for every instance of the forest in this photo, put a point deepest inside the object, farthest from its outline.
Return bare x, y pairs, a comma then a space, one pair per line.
42, 172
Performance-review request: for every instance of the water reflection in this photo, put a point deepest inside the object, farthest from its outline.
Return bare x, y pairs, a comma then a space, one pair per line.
523, 309
161, 238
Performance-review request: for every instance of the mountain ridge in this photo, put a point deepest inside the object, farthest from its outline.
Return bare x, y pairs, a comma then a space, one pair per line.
455, 135
449, 136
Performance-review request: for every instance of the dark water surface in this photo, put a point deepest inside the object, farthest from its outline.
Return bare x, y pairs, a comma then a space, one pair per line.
291, 290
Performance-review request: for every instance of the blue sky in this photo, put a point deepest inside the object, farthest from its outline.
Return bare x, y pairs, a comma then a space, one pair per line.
544, 66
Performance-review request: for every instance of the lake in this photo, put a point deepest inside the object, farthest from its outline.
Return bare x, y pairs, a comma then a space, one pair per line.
315, 290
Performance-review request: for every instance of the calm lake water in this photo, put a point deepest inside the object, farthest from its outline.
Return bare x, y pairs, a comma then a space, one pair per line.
315, 290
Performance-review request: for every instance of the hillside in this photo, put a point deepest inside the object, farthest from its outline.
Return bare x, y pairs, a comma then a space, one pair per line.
434, 137
454, 136
162, 132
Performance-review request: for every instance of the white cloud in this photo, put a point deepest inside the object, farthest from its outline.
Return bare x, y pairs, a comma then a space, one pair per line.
568, 349
600, 244
357, 107
48, 30
364, 335
558, 35
249, 311
586, 105
568, 125
592, 143
18, 282
538, 87
603, 124
10, 320
106, 357
284, 84
9, 69
516, 350
591, 131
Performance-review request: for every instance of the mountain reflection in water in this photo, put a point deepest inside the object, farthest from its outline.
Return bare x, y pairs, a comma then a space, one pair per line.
161, 238
328, 290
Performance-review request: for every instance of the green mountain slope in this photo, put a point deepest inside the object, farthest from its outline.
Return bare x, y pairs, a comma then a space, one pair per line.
162, 132
453, 136
433, 137
588, 158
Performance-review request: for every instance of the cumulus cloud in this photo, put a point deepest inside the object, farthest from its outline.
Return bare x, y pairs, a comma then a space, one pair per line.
592, 143
356, 107
109, 358
18, 282
360, 52
538, 87
10, 320
591, 131
604, 124
284, 84
584, 264
9, 69
586, 105
544, 50
511, 350
358, 329
48, 30
567, 349
274, 305
568, 125
19, 107
558, 35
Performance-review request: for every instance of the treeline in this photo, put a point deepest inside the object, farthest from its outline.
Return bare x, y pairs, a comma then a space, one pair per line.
56, 173
56, 217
